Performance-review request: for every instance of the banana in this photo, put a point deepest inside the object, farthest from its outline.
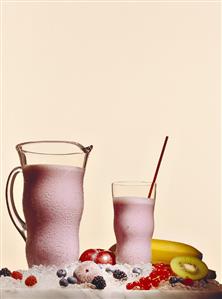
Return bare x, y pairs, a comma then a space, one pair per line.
164, 251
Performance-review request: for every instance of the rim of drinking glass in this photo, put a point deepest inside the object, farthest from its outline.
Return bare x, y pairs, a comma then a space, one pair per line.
19, 147
132, 183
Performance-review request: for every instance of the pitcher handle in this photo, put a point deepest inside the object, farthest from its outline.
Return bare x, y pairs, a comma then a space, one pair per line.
13, 213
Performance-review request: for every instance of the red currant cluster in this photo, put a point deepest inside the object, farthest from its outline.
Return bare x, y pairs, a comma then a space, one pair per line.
161, 272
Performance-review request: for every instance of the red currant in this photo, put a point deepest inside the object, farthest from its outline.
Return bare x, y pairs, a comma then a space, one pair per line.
164, 277
130, 286
142, 280
155, 282
153, 274
148, 279
160, 265
146, 286
159, 271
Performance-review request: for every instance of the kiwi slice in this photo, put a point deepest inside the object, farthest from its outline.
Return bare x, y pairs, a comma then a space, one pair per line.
189, 267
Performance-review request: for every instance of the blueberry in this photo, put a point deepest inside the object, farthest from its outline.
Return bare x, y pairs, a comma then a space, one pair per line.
72, 280
61, 273
137, 270
109, 270
174, 280
63, 282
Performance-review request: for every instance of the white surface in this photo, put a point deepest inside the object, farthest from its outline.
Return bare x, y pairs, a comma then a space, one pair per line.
87, 294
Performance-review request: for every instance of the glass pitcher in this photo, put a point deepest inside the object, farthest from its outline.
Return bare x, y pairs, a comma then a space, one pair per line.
53, 173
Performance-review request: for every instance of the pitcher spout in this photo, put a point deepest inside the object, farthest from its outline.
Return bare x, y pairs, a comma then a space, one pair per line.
88, 149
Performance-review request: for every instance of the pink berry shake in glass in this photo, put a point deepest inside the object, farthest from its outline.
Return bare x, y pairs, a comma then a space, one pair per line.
53, 206
133, 225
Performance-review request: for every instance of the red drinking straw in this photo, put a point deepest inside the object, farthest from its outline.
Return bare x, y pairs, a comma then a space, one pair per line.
158, 166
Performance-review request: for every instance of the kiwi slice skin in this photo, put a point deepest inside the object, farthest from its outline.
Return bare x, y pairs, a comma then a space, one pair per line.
189, 267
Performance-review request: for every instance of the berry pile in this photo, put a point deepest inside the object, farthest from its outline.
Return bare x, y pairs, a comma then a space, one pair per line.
161, 272
64, 282
29, 281
186, 281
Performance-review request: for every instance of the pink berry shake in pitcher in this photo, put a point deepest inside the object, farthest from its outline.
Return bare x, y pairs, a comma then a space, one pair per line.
53, 174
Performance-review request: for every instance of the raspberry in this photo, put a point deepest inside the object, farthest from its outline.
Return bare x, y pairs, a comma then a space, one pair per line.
30, 281
17, 275
187, 282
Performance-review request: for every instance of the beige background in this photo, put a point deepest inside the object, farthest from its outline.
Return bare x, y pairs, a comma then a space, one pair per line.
120, 76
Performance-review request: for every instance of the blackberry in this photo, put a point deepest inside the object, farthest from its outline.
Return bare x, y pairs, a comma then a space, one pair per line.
118, 274
99, 282
5, 272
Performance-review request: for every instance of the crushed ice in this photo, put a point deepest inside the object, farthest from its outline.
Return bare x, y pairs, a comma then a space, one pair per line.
47, 278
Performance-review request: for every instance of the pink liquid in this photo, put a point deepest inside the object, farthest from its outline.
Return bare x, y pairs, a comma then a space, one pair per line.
133, 225
53, 206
